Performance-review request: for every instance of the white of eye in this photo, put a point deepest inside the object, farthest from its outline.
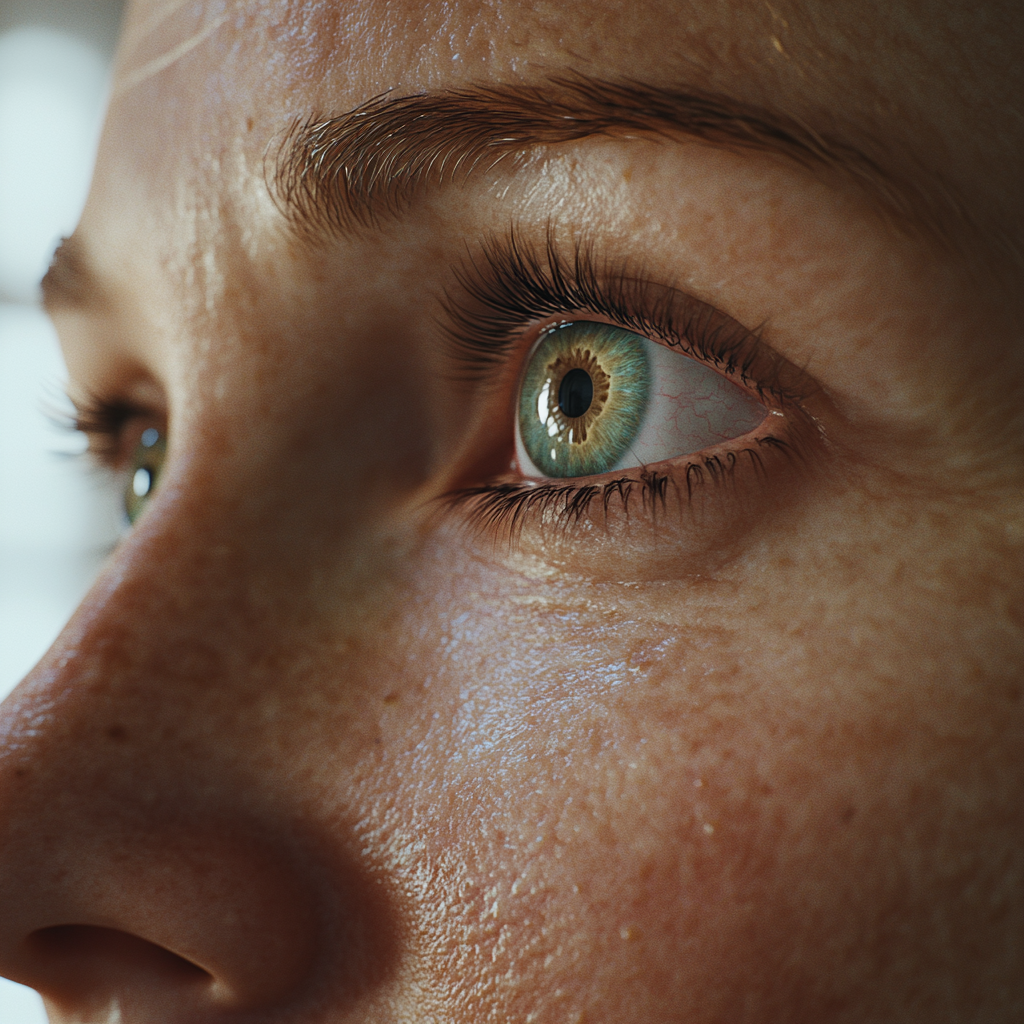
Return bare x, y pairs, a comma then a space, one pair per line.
691, 408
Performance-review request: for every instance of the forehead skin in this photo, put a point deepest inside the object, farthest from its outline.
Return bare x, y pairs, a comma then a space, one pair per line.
360, 767
911, 84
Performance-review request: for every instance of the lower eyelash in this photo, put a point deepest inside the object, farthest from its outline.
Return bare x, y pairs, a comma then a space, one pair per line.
505, 508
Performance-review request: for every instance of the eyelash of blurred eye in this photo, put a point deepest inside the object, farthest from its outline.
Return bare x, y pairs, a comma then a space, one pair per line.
512, 285
102, 421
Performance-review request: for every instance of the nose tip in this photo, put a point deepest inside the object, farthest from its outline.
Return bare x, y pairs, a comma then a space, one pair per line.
151, 880
169, 843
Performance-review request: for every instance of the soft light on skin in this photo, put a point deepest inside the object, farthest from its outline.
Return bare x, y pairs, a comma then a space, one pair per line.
319, 747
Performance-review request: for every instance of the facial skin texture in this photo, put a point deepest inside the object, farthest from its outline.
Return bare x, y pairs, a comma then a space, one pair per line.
754, 758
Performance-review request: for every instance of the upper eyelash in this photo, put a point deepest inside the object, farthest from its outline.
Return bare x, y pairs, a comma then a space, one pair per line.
102, 421
496, 297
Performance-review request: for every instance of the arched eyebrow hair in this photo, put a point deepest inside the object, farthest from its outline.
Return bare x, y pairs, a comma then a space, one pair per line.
332, 175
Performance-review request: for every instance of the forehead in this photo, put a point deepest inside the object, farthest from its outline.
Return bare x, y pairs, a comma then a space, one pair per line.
915, 85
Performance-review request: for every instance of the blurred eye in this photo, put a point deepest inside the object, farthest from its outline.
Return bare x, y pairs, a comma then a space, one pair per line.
597, 398
143, 472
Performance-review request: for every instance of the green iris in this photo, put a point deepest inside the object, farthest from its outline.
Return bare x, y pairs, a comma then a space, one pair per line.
583, 398
143, 472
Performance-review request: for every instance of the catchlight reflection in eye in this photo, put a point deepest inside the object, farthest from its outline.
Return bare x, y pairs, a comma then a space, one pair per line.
597, 398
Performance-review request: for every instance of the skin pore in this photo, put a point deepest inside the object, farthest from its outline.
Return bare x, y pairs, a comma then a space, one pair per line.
327, 742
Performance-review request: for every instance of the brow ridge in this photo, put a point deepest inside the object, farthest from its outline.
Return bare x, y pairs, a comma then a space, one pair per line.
335, 174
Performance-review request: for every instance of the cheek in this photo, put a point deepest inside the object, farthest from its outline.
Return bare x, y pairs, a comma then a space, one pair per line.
586, 800
577, 799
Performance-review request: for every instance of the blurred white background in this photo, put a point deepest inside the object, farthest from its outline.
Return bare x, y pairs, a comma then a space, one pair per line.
57, 517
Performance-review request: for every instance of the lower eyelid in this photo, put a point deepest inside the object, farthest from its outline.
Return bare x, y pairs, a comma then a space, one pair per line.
687, 501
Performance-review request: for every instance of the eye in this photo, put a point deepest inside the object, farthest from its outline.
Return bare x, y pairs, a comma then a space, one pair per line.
147, 460
596, 398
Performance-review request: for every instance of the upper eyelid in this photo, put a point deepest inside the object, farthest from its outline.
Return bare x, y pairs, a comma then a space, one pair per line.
496, 297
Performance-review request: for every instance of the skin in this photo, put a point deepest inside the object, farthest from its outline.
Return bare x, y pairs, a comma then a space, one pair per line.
755, 760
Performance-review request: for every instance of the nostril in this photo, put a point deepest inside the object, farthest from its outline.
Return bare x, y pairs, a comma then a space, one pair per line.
85, 961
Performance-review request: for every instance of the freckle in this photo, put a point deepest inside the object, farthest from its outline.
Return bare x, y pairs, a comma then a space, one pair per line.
117, 733
848, 814
627, 174
391, 698
629, 933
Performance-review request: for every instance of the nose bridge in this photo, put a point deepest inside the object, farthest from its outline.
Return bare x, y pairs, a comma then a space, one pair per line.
136, 797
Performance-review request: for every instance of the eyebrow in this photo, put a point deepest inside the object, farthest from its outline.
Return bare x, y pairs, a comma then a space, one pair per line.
333, 175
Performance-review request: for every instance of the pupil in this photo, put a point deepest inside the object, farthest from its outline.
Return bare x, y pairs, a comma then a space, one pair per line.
575, 393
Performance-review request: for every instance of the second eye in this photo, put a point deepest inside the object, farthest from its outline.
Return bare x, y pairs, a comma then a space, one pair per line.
143, 472
597, 398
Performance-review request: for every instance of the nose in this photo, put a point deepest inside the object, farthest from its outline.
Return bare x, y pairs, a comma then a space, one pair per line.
157, 859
